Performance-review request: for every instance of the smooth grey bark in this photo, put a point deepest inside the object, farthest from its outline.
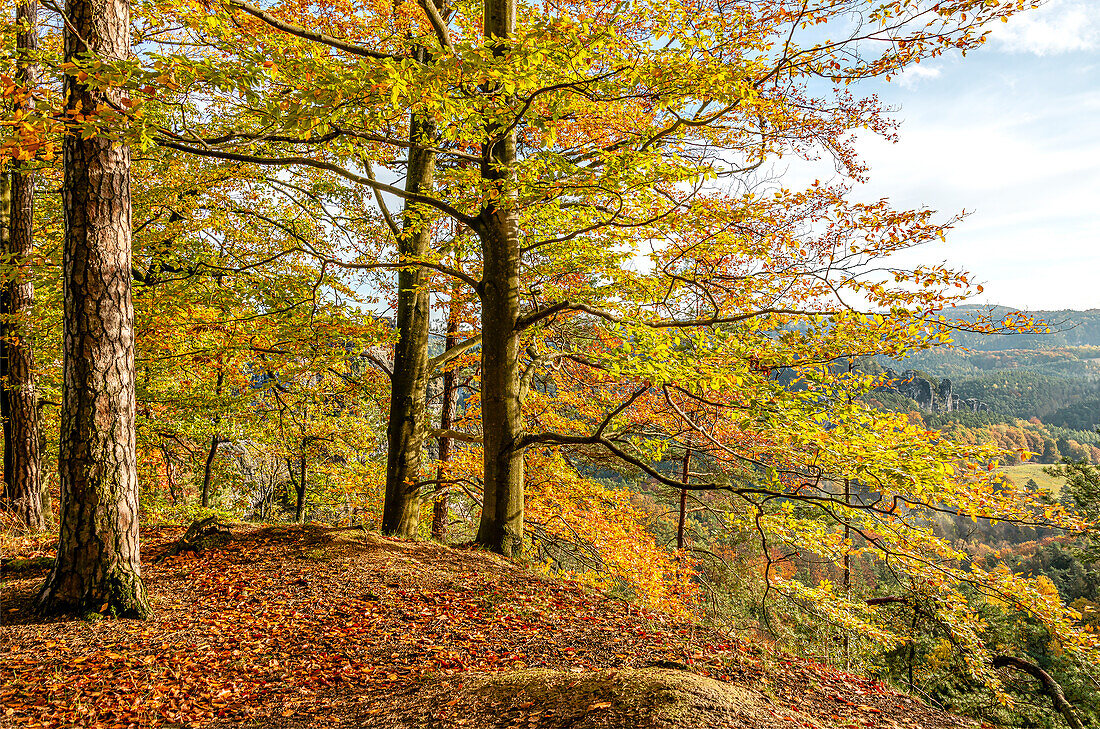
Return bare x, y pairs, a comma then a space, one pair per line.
449, 401
407, 426
98, 567
501, 525
19, 399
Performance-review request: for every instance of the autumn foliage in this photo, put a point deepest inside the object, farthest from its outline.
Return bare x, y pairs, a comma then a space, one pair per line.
648, 342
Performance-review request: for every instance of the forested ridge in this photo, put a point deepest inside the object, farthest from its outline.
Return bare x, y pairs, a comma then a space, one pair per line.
1033, 394
515, 278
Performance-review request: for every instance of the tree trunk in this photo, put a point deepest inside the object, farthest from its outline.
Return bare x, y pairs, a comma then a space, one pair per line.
19, 400
446, 422
285, 498
98, 565
168, 475
683, 501
407, 425
212, 453
501, 527
300, 506
208, 469
847, 573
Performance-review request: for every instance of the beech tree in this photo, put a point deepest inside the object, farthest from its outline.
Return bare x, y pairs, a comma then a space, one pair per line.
598, 129
409, 375
635, 275
448, 403
407, 424
238, 330
98, 566
497, 225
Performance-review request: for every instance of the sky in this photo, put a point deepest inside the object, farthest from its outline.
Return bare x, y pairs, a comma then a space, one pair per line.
1010, 134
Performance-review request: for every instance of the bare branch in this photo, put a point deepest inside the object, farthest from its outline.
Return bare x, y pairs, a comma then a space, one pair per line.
456, 351
438, 25
300, 32
347, 174
455, 435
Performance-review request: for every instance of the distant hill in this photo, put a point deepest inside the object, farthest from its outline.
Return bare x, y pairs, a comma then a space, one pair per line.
1042, 388
1068, 328
1023, 375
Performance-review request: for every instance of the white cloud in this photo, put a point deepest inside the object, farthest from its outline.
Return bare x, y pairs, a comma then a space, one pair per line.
1030, 178
913, 75
1059, 26
1010, 137
1027, 169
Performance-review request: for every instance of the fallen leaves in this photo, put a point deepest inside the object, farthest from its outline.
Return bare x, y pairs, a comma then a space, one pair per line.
250, 633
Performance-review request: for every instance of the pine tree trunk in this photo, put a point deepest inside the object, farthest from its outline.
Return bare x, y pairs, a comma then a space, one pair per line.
501, 527
98, 567
446, 422
407, 426
19, 400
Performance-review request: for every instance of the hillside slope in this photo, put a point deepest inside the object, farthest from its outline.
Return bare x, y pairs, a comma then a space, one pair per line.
306, 626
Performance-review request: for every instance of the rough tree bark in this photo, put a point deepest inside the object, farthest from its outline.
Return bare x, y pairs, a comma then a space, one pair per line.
19, 400
98, 566
407, 425
501, 526
449, 397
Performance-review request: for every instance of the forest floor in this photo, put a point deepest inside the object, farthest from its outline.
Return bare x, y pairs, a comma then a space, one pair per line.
294, 627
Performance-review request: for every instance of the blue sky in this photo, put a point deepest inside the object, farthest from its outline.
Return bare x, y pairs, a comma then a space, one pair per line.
1011, 134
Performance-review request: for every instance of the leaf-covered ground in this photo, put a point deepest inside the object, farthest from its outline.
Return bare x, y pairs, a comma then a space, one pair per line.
304, 626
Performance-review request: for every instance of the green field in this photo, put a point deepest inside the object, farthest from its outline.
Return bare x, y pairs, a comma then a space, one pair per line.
1020, 474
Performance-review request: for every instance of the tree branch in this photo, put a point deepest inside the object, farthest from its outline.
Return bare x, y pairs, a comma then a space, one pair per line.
300, 32
536, 316
1050, 687
596, 436
438, 25
458, 215
454, 352
455, 435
